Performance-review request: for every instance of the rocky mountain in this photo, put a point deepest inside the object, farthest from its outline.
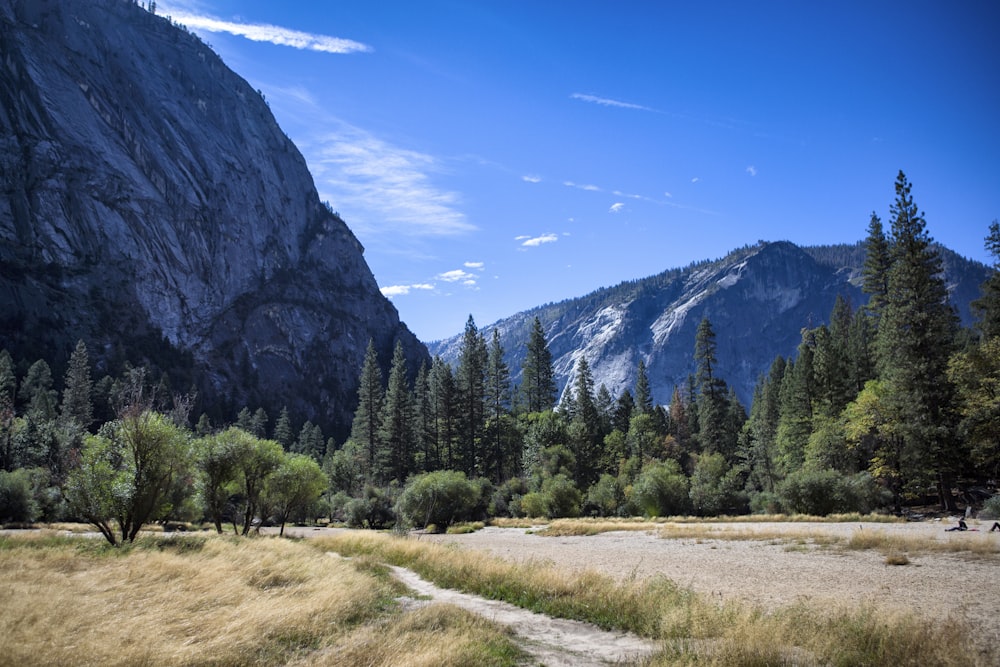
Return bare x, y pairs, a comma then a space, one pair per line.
757, 298
151, 205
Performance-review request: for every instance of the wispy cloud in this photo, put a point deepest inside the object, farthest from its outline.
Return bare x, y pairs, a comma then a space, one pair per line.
535, 241
458, 275
475, 265
695, 179
581, 186
616, 207
608, 102
390, 291
384, 188
531, 178
752, 170
262, 32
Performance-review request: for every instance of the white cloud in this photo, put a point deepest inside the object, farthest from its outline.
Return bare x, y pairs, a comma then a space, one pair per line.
579, 186
534, 242
695, 179
475, 265
667, 195
383, 188
752, 170
616, 207
260, 32
390, 291
530, 178
607, 102
455, 276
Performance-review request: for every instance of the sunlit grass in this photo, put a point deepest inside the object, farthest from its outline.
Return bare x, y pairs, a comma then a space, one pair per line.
977, 544
694, 629
218, 601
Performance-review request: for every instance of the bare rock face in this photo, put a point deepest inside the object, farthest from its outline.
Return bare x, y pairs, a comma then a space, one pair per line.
151, 205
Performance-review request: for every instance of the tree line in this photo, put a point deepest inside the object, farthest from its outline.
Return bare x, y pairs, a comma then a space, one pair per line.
890, 404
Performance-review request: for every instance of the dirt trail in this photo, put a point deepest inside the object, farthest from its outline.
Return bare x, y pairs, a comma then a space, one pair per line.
553, 642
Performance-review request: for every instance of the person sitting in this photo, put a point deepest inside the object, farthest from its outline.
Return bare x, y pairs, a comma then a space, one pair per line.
996, 526
961, 526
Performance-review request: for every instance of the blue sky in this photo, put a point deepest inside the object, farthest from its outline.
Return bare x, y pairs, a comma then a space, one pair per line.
495, 156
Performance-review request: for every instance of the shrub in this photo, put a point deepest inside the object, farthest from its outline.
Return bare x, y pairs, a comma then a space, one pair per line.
562, 496
506, 499
441, 498
372, 510
822, 492
605, 498
534, 504
991, 508
17, 502
661, 489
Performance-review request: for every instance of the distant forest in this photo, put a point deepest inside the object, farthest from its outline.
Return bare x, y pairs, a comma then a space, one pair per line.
891, 405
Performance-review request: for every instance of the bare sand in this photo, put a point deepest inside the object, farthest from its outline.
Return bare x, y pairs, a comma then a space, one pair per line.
772, 573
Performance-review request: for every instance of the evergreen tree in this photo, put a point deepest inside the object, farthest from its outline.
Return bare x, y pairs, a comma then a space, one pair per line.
258, 423
712, 395
471, 383
444, 406
498, 401
310, 441
643, 394
8, 384
283, 433
796, 396
623, 410
585, 434
395, 461
987, 306
36, 392
875, 273
244, 419
914, 341
423, 431
538, 383
368, 416
77, 405
8, 381
762, 429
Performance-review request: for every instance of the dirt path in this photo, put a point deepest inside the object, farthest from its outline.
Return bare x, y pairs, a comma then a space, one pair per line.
553, 642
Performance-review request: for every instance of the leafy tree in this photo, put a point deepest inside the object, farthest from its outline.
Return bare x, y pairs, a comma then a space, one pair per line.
257, 460
125, 471
606, 497
218, 462
296, 484
872, 427
438, 498
346, 468
538, 382
716, 488
77, 405
17, 501
368, 416
976, 376
661, 489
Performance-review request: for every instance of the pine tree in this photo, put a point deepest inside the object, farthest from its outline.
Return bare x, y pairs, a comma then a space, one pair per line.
8, 381
498, 401
796, 396
258, 423
584, 432
876, 269
987, 306
914, 341
423, 431
77, 405
712, 394
471, 384
36, 392
395, 460
643, 395
444, 406
310, 442
368, 416
538, 382
283, 432
762, 428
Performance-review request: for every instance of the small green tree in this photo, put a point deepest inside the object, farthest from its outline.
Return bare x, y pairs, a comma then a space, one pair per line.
661, 489
125, 471
293, 487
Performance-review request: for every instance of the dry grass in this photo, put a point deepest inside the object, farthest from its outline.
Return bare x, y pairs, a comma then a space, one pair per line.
205, 600
695, 629
975, 544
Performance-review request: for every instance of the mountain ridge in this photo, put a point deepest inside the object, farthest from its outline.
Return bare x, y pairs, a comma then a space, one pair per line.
758, 299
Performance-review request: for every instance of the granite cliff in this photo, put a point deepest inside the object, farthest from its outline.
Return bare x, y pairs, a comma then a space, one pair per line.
151, 205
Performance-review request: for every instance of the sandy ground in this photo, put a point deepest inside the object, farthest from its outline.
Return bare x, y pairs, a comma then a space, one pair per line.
774, 573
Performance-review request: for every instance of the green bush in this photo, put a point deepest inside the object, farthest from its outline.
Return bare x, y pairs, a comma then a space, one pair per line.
17, 500
605, 498
991, 508
534, 504
661, 489
441, 498
372, 510
562, 497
